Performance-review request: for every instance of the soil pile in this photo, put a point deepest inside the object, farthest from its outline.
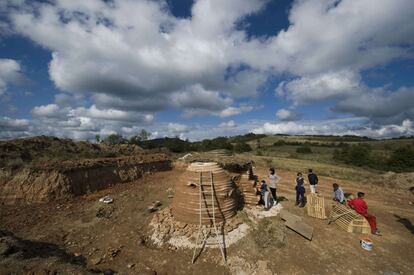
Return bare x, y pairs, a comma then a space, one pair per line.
50, 181
23, 152
397, 180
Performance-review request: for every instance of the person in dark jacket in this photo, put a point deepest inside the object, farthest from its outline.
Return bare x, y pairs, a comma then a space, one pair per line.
300, 190
313, 181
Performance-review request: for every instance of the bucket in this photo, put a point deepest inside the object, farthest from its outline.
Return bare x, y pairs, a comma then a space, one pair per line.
366, 243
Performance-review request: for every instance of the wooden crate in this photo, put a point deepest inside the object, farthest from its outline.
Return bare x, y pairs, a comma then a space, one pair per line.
316, 206
349, 220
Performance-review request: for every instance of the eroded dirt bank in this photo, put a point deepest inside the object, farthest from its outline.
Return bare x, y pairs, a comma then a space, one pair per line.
67, 179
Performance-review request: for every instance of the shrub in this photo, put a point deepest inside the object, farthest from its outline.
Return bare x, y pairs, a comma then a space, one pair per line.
402, 159
304, 150
356, 154
279, 143
242, 147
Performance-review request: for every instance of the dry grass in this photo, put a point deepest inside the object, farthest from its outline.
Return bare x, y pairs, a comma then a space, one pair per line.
323, 169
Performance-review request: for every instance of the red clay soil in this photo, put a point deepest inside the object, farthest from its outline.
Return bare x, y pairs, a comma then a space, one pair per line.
85, 235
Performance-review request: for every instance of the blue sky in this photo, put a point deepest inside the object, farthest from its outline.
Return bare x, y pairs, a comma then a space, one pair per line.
201, 69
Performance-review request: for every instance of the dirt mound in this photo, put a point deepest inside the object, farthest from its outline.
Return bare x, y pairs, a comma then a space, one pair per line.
23, 255
50, 181
20, 152
397, 180
270, 233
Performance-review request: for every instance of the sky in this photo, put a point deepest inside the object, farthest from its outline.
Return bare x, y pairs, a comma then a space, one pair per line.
206, 68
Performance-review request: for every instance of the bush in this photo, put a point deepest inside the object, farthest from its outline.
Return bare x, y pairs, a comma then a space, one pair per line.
402, 159
279, 143
304, 150
242, 147
114, 139
358, 155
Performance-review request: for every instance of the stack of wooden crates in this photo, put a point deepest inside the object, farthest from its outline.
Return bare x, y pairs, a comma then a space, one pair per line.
316, 206
349, 220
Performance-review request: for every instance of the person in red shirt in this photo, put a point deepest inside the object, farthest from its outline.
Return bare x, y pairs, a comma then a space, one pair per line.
360, 206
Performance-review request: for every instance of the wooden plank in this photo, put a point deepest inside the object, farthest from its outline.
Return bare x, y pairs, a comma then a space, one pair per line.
286, 215
301, 228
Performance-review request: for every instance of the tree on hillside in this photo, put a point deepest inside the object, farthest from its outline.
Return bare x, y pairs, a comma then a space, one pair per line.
114, 139
98, 138
141, 136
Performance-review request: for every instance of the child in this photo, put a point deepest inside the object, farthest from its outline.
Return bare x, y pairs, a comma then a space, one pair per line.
265, 191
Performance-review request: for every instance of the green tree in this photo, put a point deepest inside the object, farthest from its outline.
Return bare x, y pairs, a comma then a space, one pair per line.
98, 138
241, 147
143, 135
114, 139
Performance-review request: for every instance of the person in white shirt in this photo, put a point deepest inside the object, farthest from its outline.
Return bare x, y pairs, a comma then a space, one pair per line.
338, 194
273, 180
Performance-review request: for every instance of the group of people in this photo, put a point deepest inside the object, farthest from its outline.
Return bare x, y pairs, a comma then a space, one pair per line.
268, 195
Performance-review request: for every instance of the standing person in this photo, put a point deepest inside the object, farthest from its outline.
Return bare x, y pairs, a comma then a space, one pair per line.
264, 188
273, 180
338, 193
313, 181
300, 190
360, 206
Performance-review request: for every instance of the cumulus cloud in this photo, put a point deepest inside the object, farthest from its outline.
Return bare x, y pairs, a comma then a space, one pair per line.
287, 115
129, 59
10, 73
227, 124
337, 127
331, 85
13, 128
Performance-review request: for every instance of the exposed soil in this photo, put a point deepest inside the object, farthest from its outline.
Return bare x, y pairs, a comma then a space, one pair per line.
83, 235
49, 181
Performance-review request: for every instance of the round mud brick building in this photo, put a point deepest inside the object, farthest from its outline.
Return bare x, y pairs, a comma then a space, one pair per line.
186, 203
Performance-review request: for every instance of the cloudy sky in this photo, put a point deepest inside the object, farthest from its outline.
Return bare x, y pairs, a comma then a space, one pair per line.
205, 68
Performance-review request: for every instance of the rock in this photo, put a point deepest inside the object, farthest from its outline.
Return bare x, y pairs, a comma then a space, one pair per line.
96, 261
77, 254
151, 209
4, 248
157, 204
130, 265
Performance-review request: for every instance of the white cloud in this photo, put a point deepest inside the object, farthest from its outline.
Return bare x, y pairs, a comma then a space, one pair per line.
10, 73
126, 60
227, 124
331, 85
177, 128
50, 110
287, 115
337, 127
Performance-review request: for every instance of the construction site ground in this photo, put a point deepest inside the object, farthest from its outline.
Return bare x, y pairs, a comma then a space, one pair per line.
83, 235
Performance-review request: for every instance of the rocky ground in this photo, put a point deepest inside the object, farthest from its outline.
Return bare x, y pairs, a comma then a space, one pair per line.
83, 235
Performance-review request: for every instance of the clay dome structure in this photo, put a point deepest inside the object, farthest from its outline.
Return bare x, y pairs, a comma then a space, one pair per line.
247, 186
186, 203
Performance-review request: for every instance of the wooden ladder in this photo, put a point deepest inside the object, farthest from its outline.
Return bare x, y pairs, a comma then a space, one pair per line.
211, 218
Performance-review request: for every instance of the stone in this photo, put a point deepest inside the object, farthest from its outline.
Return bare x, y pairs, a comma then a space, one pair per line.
96, 261
130, 265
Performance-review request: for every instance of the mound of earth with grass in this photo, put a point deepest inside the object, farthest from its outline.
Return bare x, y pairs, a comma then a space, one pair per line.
25, 152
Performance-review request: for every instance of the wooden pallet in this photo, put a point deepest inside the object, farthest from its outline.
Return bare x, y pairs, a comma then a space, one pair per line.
349, 220
316, 206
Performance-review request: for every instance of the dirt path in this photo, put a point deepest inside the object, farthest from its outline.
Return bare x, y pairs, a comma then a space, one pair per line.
114, 236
